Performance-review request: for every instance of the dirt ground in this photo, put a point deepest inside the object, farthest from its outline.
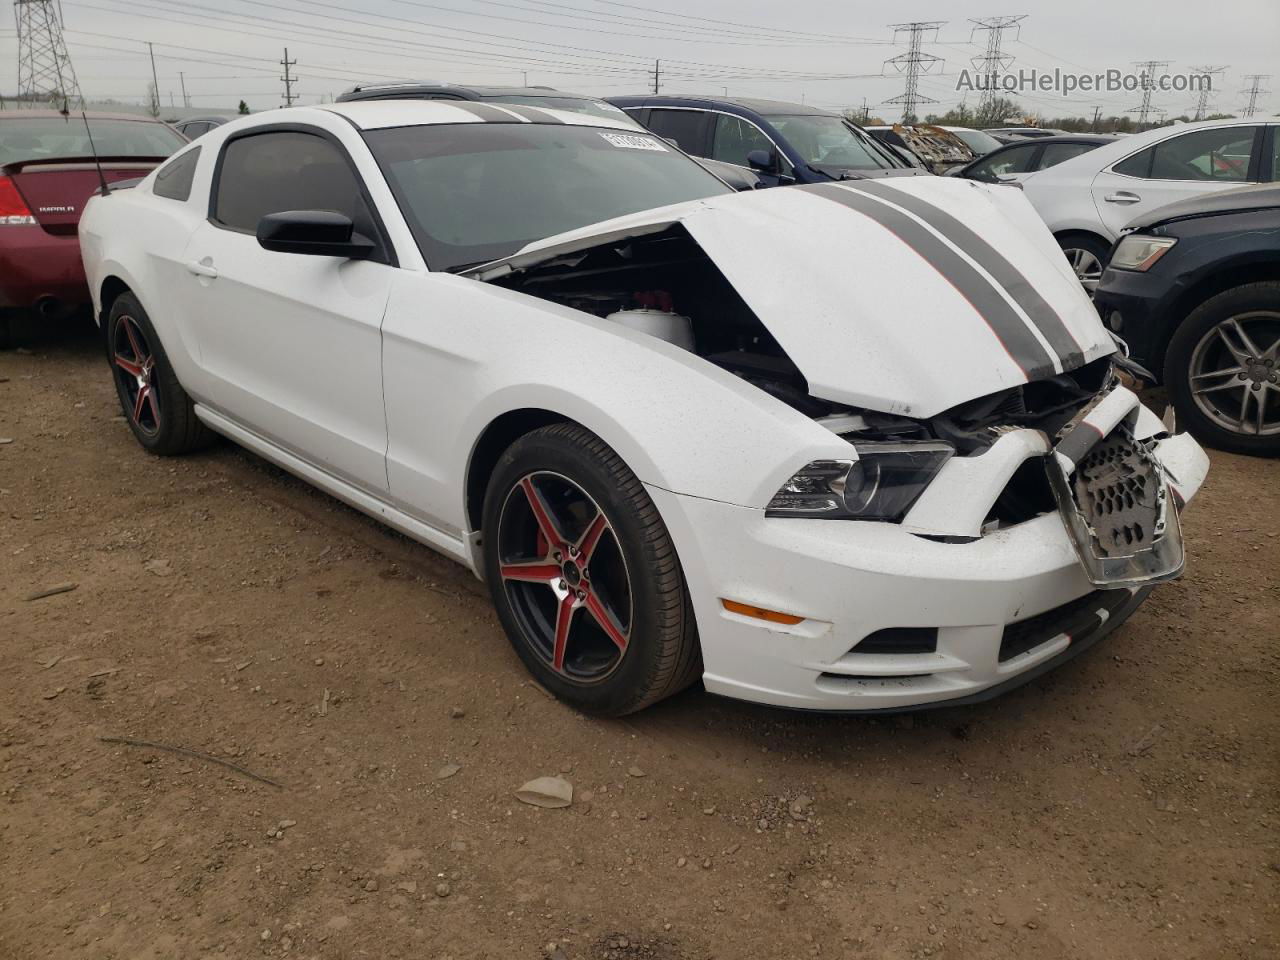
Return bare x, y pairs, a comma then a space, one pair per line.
1124, 806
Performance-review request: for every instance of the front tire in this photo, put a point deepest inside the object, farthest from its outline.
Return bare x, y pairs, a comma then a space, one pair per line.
584, 575
1087, 255
159, 412
1222, 369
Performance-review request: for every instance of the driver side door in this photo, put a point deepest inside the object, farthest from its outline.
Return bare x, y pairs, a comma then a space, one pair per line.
1189, 164
290, 344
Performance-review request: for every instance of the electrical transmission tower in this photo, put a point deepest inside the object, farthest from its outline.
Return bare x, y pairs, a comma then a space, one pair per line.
1148, 74
1254, 91
1202, 100
993, 62
45, 73
289, 81
913, 63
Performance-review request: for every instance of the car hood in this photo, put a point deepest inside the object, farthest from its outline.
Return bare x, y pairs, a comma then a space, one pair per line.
907, 296
1259, 197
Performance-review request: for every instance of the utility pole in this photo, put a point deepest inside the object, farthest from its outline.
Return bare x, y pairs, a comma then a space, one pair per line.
1148, 74
657, 72
45, 73
1202, 99
1254, 91
992, 63
289, 80
1097, 114
913, 63
182, 78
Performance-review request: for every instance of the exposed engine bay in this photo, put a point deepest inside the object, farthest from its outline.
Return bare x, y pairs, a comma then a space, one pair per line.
665, 284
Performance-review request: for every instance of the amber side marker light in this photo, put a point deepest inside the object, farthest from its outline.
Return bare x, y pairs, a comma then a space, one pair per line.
760, 613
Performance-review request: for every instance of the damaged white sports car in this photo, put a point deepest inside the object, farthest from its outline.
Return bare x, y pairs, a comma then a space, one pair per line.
850, 446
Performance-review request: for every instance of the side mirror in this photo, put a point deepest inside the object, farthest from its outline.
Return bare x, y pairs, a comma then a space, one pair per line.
763, 161
321, 233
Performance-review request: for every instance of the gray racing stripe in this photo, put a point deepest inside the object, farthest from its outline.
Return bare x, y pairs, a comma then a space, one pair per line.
1009, 328
1046, 319
1082, 438
484, 111
531, 113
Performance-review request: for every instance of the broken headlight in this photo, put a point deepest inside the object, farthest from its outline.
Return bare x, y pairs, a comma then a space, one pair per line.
882, 484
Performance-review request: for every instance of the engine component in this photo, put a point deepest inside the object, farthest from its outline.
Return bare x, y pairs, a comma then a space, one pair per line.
664, 325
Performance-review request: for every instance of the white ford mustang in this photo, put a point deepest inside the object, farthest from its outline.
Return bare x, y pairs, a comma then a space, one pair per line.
851, 446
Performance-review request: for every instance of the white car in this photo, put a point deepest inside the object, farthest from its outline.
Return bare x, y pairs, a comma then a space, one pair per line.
1086, 201
840, 447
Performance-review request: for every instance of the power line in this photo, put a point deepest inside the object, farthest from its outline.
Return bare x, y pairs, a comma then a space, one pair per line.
913, 63
1202, 100
1147, 73
1254, 91
992, 63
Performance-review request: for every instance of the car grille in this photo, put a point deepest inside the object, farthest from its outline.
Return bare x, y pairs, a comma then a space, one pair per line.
1119, 490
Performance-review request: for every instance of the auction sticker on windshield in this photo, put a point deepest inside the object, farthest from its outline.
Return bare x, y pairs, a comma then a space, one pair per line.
632, 142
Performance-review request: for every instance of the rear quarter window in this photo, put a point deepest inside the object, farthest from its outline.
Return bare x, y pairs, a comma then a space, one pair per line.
174, 179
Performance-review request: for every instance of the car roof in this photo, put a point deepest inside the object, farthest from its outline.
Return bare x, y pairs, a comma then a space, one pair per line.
765, 108
466, 92
380, 114
57, 115
1121, 147
1098, 138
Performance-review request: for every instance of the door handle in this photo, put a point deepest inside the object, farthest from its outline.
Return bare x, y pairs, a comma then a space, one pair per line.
1122, 196
202, 269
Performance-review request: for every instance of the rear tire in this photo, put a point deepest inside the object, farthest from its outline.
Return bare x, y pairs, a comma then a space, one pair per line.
157, 409
1237, 330
629, 636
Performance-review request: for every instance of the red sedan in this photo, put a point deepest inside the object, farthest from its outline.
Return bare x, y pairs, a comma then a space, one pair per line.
47, 172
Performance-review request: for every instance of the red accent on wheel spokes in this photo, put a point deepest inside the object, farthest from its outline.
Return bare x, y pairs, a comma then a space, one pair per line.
540, 513
140, 403
587, 543
564, 620
605, 619
139, 354
534, 571
128, 366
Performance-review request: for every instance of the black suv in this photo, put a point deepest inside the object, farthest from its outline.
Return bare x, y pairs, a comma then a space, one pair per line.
781, 143
1194, 289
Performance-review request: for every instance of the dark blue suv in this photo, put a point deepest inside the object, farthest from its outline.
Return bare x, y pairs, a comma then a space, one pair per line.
779, 142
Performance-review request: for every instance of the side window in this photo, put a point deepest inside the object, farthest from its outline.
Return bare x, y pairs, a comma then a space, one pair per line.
1002, 162
685, 127
1139, 165
1221, 153
1055, 153
193, 130
174, 179
735, 138
284, 170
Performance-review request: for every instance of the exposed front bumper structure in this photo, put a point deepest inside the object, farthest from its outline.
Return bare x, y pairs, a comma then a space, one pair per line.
894, 617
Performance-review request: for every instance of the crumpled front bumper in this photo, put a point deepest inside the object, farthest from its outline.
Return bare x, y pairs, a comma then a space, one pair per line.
1000, 608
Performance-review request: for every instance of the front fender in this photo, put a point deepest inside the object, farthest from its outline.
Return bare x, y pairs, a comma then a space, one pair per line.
474, 352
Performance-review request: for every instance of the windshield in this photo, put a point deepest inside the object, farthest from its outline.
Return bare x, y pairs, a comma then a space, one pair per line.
593, 108
474, 192
977, 141
52, 138
824, 141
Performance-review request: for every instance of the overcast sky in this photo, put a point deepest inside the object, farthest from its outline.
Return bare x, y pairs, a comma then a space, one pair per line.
826, 53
